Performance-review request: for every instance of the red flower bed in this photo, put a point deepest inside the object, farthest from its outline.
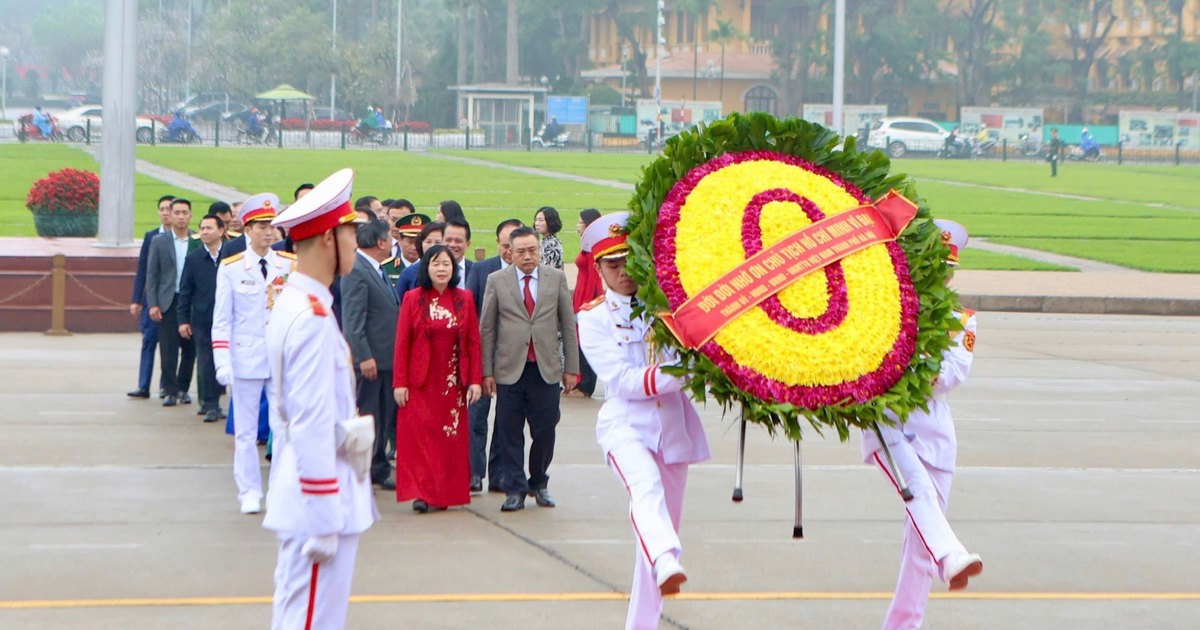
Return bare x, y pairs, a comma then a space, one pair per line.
68, 190
413, 126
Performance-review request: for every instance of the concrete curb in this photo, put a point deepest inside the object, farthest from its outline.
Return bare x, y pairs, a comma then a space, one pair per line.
1083, 305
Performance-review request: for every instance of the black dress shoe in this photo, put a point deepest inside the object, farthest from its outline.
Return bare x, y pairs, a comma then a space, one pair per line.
139, 393
476, 483
513, 502
542, 496
162, 393
420, 506
388, 484
184, 399
201, 410
170, 401
211, 416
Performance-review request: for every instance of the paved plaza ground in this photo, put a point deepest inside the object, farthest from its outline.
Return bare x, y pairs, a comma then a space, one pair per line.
1079, 483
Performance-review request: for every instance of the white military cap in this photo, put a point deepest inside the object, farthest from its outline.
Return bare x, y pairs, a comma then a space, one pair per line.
325, 207
260, 207
606, 237
954, 236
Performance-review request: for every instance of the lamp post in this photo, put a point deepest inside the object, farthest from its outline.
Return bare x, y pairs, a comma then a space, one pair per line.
3, 82
658, 53
187, 71
333, 74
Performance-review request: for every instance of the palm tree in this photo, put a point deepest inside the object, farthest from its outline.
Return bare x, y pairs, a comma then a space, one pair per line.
723, 34
698, 11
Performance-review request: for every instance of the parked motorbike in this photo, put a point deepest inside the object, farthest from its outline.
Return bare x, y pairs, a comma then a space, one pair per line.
558, 142
27, 131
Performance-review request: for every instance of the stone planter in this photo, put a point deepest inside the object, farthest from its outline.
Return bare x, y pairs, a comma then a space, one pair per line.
67, 224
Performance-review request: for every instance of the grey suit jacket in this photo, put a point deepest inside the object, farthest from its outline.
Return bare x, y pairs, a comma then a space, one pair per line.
160, 270
369, 315
506, 327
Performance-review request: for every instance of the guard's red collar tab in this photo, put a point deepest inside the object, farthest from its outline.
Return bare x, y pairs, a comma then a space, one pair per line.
318, 308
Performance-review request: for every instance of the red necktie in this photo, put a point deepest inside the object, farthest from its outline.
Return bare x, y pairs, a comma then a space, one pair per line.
531, 356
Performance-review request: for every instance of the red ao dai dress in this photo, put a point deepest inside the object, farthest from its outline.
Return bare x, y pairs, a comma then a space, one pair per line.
437, 357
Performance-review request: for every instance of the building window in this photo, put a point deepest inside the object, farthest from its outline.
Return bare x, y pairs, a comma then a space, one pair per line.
761, 98
761, 27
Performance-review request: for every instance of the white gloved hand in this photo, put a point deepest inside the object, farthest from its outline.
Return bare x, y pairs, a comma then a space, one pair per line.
356, 441
225, 375
320, 549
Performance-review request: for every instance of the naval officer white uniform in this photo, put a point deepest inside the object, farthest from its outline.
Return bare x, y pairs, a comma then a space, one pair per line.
924, 448
648, 429
320, 497
247, 284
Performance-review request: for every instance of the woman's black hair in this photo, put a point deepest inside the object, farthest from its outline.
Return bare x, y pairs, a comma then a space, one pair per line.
423, 279
553, 221
435, 226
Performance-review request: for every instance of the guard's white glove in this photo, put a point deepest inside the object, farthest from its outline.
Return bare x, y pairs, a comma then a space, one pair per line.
320, 549
225, 375
356, 442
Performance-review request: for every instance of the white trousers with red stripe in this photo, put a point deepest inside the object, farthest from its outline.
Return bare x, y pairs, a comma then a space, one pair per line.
247, 472
655, 507
298, 604
927, 535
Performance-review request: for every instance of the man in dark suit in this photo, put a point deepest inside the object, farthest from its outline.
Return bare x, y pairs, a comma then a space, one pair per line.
137, 306
478, 412
369, 314
525, 309
164, 271
197, 297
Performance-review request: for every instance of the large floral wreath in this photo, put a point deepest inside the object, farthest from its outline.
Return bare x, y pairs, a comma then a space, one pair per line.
841, 346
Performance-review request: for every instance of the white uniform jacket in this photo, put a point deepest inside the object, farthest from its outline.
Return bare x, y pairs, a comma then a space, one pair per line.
932, 433
313, 490
244, 300
642, 403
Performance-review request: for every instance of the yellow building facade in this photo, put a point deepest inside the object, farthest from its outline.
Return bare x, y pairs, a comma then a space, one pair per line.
692, 67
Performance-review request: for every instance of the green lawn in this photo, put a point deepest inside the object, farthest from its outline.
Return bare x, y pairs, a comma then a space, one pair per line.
23, 164
488, 195
1143, 217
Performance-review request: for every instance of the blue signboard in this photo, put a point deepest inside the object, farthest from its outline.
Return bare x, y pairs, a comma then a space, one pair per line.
569, 110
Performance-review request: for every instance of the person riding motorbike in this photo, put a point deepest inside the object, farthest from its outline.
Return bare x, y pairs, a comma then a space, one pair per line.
254, 124
552, 131
178, 126
1087, 143
43, 122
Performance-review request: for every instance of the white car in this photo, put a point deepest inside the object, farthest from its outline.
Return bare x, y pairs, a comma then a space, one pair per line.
75, 123
898, 136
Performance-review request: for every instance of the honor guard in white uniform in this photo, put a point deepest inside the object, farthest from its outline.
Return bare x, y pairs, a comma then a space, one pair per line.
247, 285
924, 449
320, 497
648, 429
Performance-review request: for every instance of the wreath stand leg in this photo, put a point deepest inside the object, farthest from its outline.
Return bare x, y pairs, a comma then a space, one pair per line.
741, 462
798, 528
902, 485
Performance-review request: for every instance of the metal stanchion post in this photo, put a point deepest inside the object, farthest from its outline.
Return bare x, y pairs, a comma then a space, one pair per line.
58, 296
798, 528
741, 461
217, 133
88, 132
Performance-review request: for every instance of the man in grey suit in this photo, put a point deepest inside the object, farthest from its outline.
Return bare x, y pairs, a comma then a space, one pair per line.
369, 314
164, 274
478, 412
525, 309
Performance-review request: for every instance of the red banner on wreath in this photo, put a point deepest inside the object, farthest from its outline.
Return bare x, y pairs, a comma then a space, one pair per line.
774, 268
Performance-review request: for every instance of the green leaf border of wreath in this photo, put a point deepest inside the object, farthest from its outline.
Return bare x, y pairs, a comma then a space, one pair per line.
870, 171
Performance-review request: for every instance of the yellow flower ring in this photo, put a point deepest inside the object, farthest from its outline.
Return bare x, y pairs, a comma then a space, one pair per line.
839, 336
